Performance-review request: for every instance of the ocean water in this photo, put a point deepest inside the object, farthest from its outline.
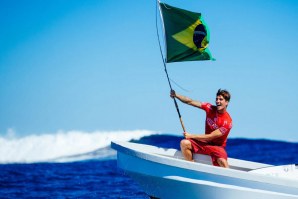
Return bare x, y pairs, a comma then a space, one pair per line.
61, 166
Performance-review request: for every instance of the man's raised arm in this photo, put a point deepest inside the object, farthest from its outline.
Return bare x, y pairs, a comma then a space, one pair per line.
185, 99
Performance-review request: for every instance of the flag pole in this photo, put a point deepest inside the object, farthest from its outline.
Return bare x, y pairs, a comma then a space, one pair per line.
175, 101
165, 67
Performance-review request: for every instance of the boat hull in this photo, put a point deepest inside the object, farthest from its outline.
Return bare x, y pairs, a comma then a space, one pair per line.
166, 177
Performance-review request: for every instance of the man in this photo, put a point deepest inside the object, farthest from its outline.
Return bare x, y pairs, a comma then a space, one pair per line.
217, 128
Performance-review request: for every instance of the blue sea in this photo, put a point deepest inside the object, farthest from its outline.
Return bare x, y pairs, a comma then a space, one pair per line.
61, 166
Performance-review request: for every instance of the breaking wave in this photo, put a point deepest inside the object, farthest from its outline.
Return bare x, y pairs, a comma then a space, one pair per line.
64, 146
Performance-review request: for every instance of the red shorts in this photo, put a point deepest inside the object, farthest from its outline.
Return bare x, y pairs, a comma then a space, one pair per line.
214, 151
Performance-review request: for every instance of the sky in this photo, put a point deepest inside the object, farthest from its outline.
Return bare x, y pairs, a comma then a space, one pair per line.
95, 65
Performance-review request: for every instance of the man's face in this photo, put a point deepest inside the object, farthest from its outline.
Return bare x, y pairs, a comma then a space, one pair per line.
221, 103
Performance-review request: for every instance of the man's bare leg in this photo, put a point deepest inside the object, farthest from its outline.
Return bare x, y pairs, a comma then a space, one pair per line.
186, 149
223, 162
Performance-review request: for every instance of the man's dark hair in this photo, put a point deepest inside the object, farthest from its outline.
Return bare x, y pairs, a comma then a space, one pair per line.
224, 93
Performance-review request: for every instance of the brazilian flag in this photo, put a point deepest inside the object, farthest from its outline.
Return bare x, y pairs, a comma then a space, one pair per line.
186, 33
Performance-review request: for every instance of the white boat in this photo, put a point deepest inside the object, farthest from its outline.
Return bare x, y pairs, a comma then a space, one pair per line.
163, 173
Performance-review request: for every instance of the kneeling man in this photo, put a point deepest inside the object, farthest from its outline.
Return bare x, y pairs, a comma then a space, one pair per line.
217, 128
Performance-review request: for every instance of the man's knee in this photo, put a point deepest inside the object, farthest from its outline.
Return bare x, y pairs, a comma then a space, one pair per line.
185, 144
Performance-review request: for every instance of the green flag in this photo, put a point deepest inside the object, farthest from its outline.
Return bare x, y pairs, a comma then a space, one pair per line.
186, 33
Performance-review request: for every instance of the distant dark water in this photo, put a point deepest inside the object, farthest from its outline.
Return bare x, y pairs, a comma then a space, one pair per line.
100, 178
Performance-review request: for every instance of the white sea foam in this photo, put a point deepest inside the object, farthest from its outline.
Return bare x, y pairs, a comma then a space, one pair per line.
47, 147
